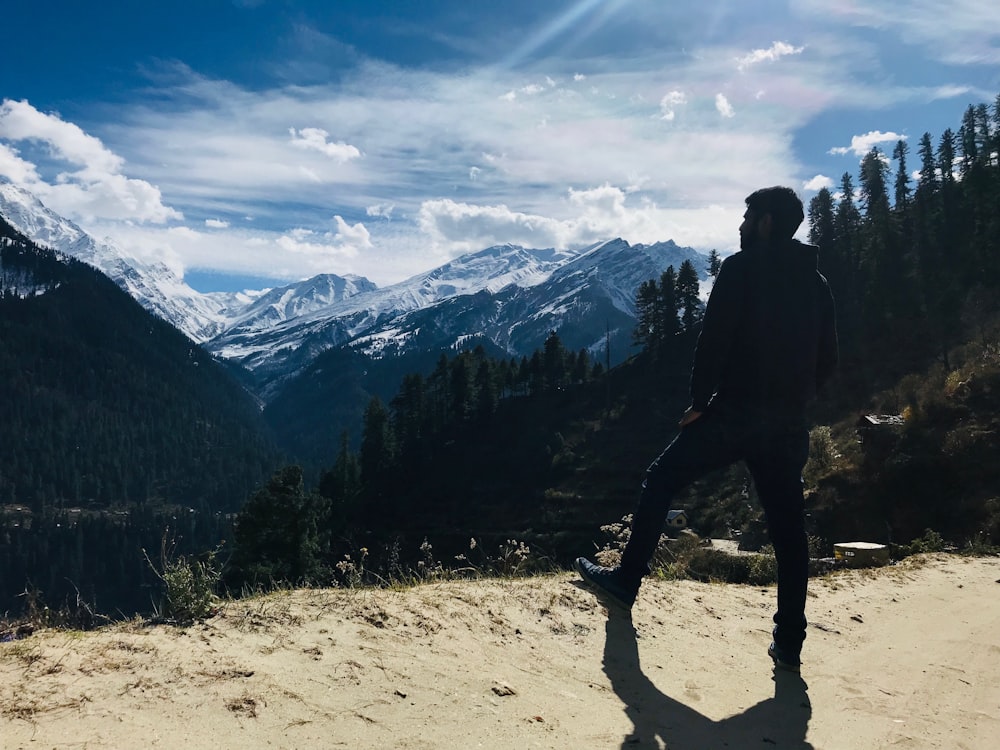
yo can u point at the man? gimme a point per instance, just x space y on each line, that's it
767 344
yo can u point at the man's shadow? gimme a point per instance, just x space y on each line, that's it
660 720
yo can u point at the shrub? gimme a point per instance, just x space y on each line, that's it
189 585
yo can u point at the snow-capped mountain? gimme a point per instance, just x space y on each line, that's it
272 344
583 299
509 295
155 286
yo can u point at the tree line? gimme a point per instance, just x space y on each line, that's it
914 262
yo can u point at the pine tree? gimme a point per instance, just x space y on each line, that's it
377 447
277 534
902 184
877 258
688 289
714 263
667 313
646 298
342 483
554 363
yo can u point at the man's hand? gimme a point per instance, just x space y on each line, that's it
689 416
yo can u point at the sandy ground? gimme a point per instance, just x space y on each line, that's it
901 657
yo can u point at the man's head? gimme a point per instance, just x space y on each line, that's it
773 213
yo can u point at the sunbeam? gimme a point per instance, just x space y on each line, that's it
575 16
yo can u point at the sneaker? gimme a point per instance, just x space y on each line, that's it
607 583
783 659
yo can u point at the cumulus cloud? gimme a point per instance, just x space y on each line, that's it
216 224
723 106
465 226
355 235
88 184
817 183
16 169
19 121
669 104
315 139
862 144
606 199
590 215
324 250
772 53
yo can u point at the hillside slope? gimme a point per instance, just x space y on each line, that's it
110 404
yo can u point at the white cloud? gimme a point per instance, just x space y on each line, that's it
817 183
185 232
355 235
591 215
96 189
216 224
723 106
381 210
16 169
19 121
579 77
862 144
772 53
464 226
670 102
315 139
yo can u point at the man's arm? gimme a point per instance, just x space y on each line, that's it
722 315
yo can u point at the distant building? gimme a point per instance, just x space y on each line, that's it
878 435
677 520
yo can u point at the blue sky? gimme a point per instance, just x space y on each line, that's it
278 139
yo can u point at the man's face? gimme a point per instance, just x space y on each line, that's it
748 229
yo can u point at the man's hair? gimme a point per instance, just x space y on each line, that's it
784 206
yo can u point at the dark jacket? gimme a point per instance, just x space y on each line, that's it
769 339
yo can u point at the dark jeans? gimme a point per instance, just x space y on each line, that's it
775 453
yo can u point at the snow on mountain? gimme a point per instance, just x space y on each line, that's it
620 267
296 300
271 342
586 299
155 286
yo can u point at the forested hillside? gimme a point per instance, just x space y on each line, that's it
114 414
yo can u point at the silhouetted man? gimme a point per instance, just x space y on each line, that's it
768 342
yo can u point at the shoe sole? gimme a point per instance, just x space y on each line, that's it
602 593
781 664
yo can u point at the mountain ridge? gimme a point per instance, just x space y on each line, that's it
512 295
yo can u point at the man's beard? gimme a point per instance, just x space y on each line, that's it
748 238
